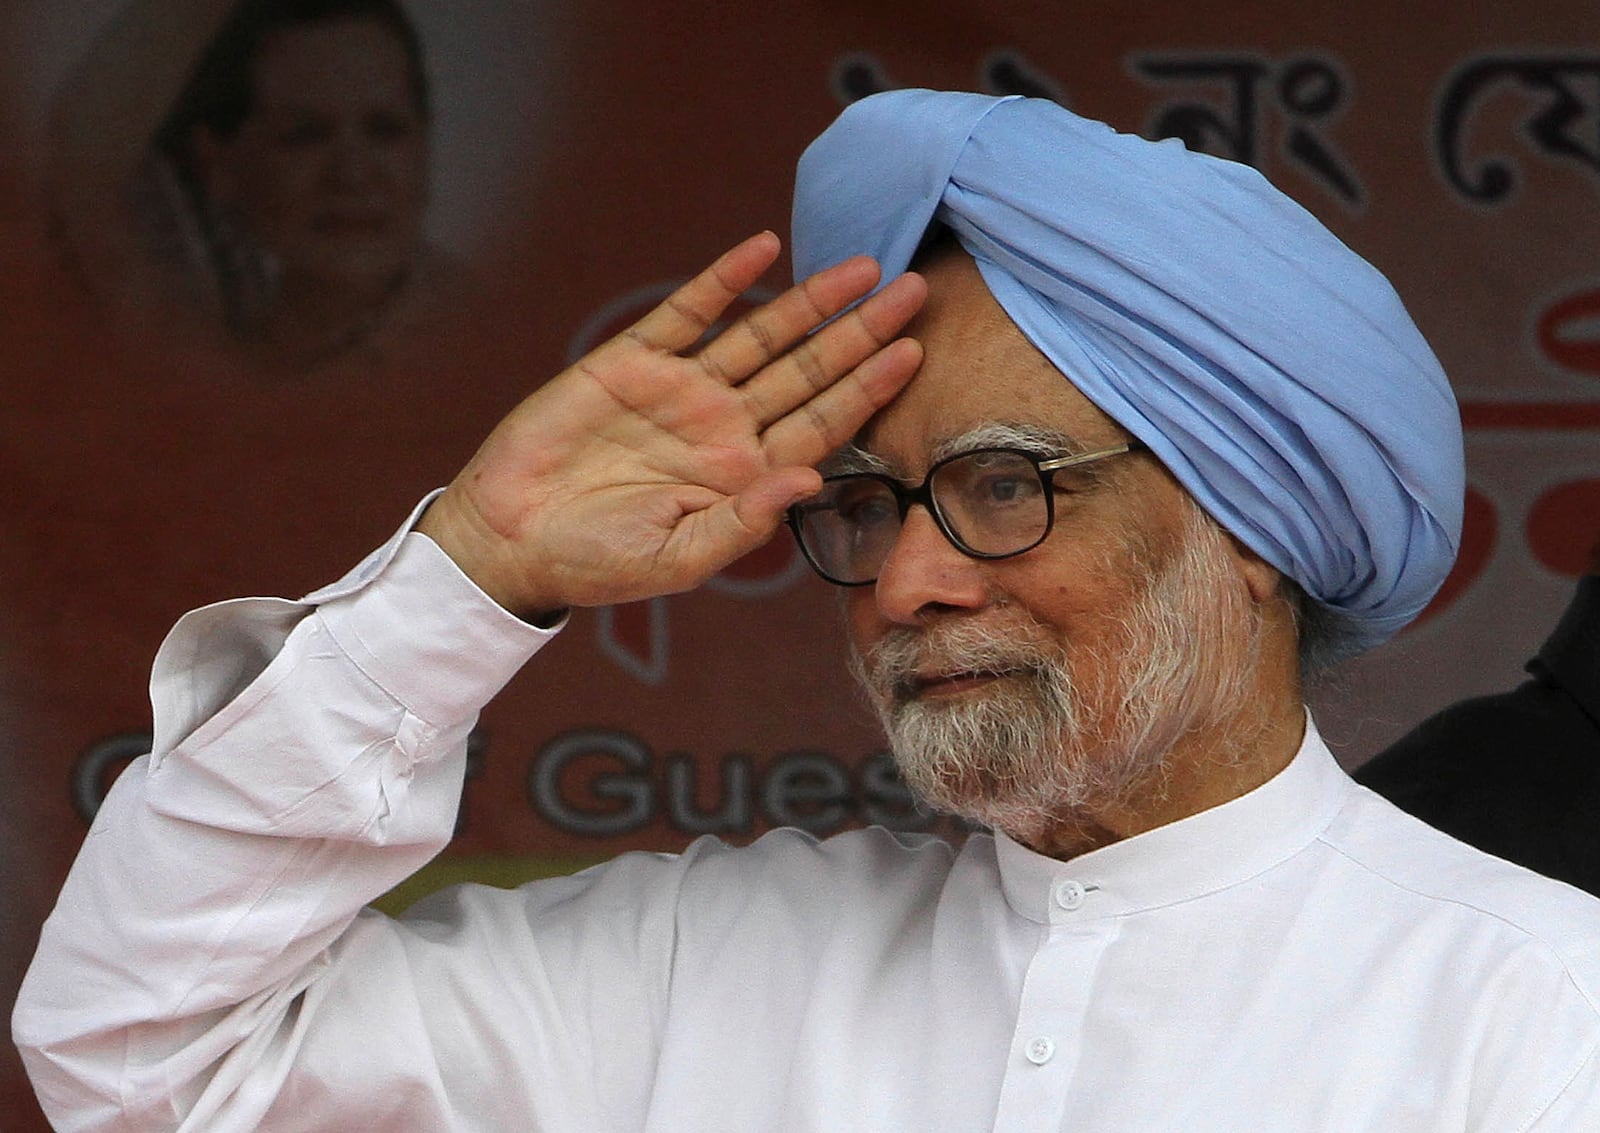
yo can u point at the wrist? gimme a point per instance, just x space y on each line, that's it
486 561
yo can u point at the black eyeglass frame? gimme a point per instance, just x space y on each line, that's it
922 493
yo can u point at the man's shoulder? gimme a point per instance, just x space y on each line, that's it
1437 877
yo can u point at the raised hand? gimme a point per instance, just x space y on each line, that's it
650 464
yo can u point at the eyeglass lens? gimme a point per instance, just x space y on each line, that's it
989 502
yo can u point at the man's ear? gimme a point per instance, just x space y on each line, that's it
1260 577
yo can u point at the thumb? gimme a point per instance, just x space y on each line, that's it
762 504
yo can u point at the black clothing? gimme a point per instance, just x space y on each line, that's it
1518 773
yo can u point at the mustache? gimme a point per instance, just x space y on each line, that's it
897 666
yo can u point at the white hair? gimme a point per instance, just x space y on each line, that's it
1066 731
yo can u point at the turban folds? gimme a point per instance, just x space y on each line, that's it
1272 370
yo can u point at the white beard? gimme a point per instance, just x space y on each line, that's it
1040 746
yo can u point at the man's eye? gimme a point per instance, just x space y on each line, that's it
866 506
1004 489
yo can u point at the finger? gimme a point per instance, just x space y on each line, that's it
822 424
834 351
679 321
764 334
739 524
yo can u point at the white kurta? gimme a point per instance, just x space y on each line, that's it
1302 958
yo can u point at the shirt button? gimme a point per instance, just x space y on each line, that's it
1040 1050
1069 895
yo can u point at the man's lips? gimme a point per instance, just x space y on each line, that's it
947 683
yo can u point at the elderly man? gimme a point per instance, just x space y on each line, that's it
1161 424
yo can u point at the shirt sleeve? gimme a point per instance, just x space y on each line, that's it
308 756
1578 1104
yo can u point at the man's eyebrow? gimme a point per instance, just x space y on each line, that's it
851 460
1040 439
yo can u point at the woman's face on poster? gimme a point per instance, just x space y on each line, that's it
329 171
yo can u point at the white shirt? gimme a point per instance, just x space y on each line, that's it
1302 958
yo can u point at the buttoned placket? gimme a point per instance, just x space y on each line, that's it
1056 992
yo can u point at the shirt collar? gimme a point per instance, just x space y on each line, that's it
1201 854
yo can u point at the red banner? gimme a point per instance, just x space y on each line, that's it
161 451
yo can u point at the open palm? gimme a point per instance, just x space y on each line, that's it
656 460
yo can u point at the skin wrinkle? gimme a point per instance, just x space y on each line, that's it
1097 600
1044 747
1038 439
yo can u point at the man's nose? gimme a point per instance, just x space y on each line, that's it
352 162
925 571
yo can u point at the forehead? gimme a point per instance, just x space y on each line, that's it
978 369
346 59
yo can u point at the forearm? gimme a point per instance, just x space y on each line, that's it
191 933
218 872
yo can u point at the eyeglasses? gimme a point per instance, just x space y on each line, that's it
991 503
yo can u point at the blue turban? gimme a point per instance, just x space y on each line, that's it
1272 370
